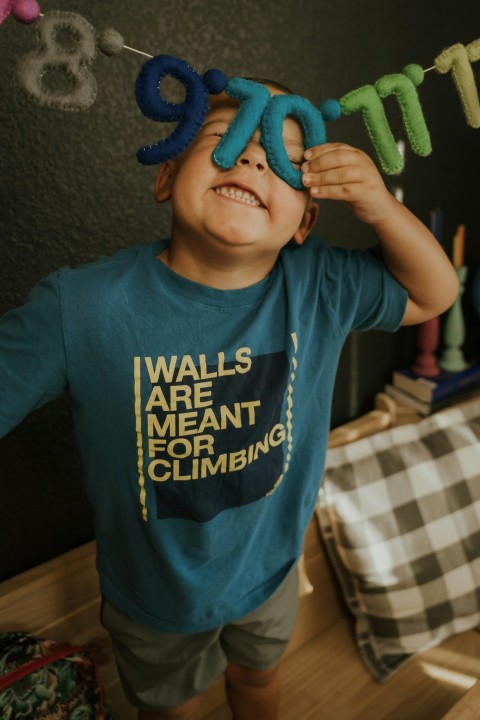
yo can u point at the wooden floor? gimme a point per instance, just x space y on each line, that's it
311 685
316 687
325 680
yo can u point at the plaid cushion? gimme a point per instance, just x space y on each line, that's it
399 513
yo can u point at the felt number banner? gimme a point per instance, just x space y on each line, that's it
257 108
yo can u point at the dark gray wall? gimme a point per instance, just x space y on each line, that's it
71 188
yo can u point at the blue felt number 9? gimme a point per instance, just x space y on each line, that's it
189 114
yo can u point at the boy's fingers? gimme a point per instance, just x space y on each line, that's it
328 158
335 192
318 150
324 147
345 175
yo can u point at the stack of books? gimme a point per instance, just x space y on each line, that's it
427 395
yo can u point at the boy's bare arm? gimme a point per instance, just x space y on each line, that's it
335 171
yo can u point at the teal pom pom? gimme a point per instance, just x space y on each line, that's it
330 109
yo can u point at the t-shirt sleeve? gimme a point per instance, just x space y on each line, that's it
33 367
362 292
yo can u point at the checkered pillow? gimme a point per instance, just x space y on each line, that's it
399 513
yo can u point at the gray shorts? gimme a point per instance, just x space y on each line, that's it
160 671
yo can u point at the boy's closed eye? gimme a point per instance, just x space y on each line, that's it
294 153
215 127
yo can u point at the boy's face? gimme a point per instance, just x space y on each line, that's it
242 211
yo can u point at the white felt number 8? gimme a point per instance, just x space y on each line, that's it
71 60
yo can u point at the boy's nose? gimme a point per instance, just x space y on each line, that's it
254 156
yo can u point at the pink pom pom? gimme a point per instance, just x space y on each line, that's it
26 11
5 9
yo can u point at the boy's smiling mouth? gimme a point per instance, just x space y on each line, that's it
239 194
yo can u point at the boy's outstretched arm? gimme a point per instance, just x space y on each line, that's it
335 171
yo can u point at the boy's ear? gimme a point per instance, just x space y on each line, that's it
162 190
308 221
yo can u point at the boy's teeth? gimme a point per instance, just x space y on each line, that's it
238 194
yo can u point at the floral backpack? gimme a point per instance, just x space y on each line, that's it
48 680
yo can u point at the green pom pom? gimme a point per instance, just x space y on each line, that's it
415 73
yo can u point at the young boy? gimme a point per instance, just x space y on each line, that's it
202 370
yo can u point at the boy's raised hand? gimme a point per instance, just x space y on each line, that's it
335 171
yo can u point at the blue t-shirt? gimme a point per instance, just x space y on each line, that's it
202 415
